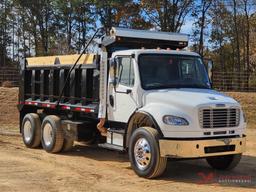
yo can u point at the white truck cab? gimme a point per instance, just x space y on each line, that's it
174 88
165 98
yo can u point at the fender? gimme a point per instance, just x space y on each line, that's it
159 110
152 115
138 119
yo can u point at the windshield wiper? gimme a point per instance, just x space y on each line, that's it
199 86
177 86
159 86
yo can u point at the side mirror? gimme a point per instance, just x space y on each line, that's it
209 69
112 71
208 66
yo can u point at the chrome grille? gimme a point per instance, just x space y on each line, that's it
219 117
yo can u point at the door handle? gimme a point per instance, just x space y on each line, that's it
127 91
111 100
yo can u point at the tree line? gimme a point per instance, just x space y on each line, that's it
224 30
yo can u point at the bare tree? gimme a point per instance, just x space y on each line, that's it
206 4
247 42
247 22
167 15
236 36
220 25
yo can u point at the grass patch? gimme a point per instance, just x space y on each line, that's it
248 102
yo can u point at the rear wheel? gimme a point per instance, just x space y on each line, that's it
31 130
144 153
225 162
52 134
67 144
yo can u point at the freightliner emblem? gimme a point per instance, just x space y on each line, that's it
212 98
227 141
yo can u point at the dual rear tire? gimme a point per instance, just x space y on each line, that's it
50 133
31 130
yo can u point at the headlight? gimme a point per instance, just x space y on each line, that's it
173 120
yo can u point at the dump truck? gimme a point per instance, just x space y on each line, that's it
140 93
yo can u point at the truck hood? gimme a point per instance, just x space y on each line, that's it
186 97
186 103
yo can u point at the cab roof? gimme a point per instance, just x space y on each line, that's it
155 51
124 39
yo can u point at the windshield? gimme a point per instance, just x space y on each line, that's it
172 71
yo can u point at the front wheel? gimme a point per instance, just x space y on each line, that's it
225 162
144 153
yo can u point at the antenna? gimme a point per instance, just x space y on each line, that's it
73 67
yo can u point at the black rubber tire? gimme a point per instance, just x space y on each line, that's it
68 144
226 162
57 134
35 121
157 164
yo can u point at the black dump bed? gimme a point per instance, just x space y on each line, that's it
43 79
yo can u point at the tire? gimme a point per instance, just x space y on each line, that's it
52 134
152 165
226 162
31 130
67 144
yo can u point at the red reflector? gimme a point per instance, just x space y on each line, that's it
48 105
64 107
30 103
88 110
78 109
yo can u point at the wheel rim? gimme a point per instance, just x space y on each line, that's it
48 134
142 153
28 131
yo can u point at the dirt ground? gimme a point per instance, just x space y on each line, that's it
88 168
8 110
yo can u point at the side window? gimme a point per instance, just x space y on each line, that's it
126 71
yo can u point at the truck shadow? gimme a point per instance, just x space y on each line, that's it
97 153
198 172
188 171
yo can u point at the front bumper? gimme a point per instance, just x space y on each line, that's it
201 148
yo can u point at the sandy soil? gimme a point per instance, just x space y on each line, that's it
92 169
88 168
8 110
248 102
